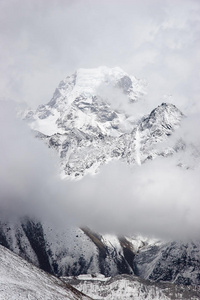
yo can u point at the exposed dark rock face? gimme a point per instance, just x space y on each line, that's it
35 235
123 261
125 83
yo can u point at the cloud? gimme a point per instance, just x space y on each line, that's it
157 198
29 173
42 43
119 101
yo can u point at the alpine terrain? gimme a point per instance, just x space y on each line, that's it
88 130
90 122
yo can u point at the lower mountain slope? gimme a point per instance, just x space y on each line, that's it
131 287
21 280
70 251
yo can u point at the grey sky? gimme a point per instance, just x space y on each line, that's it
43 41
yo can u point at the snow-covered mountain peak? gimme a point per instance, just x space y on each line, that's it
84 124
82 101
166 115
86 82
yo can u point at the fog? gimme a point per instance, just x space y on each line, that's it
29 173
157 198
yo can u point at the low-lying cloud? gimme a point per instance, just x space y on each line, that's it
157 198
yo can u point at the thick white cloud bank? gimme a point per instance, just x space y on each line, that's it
29 173
157 198
42 42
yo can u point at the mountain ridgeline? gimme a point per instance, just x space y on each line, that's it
90 121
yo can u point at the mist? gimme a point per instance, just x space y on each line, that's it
156 40
29 173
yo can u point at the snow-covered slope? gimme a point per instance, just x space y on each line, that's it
81 102
73 251
130 287
21 280
69 251
88 123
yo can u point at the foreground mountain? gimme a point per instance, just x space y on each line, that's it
73 251
21 280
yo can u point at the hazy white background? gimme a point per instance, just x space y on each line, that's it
44 41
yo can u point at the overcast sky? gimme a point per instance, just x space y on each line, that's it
44 41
